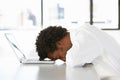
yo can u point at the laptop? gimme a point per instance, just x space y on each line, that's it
20 54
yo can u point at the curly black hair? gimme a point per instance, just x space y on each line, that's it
47 38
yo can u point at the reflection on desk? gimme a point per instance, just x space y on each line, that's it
81 73
11 70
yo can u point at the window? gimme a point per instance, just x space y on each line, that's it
105 14
65 12
36 13
20 14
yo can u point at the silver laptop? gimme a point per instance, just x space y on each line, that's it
20 54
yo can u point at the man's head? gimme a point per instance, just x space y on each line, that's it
53 42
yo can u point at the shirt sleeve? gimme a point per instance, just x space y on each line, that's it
86 48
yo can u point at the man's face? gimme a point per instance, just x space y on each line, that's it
63 46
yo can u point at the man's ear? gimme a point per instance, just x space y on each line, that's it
59 44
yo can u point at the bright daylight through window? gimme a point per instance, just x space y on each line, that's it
41 13
20 14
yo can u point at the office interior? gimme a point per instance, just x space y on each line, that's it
25 18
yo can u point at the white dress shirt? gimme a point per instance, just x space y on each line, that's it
92 45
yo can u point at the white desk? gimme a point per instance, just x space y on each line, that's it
11 69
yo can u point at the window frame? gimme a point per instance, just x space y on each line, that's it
91 16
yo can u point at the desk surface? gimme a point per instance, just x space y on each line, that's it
11 69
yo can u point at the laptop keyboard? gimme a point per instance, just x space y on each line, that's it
35 60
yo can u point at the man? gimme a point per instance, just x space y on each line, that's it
53 42
78 46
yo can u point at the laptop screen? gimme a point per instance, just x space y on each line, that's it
14 45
